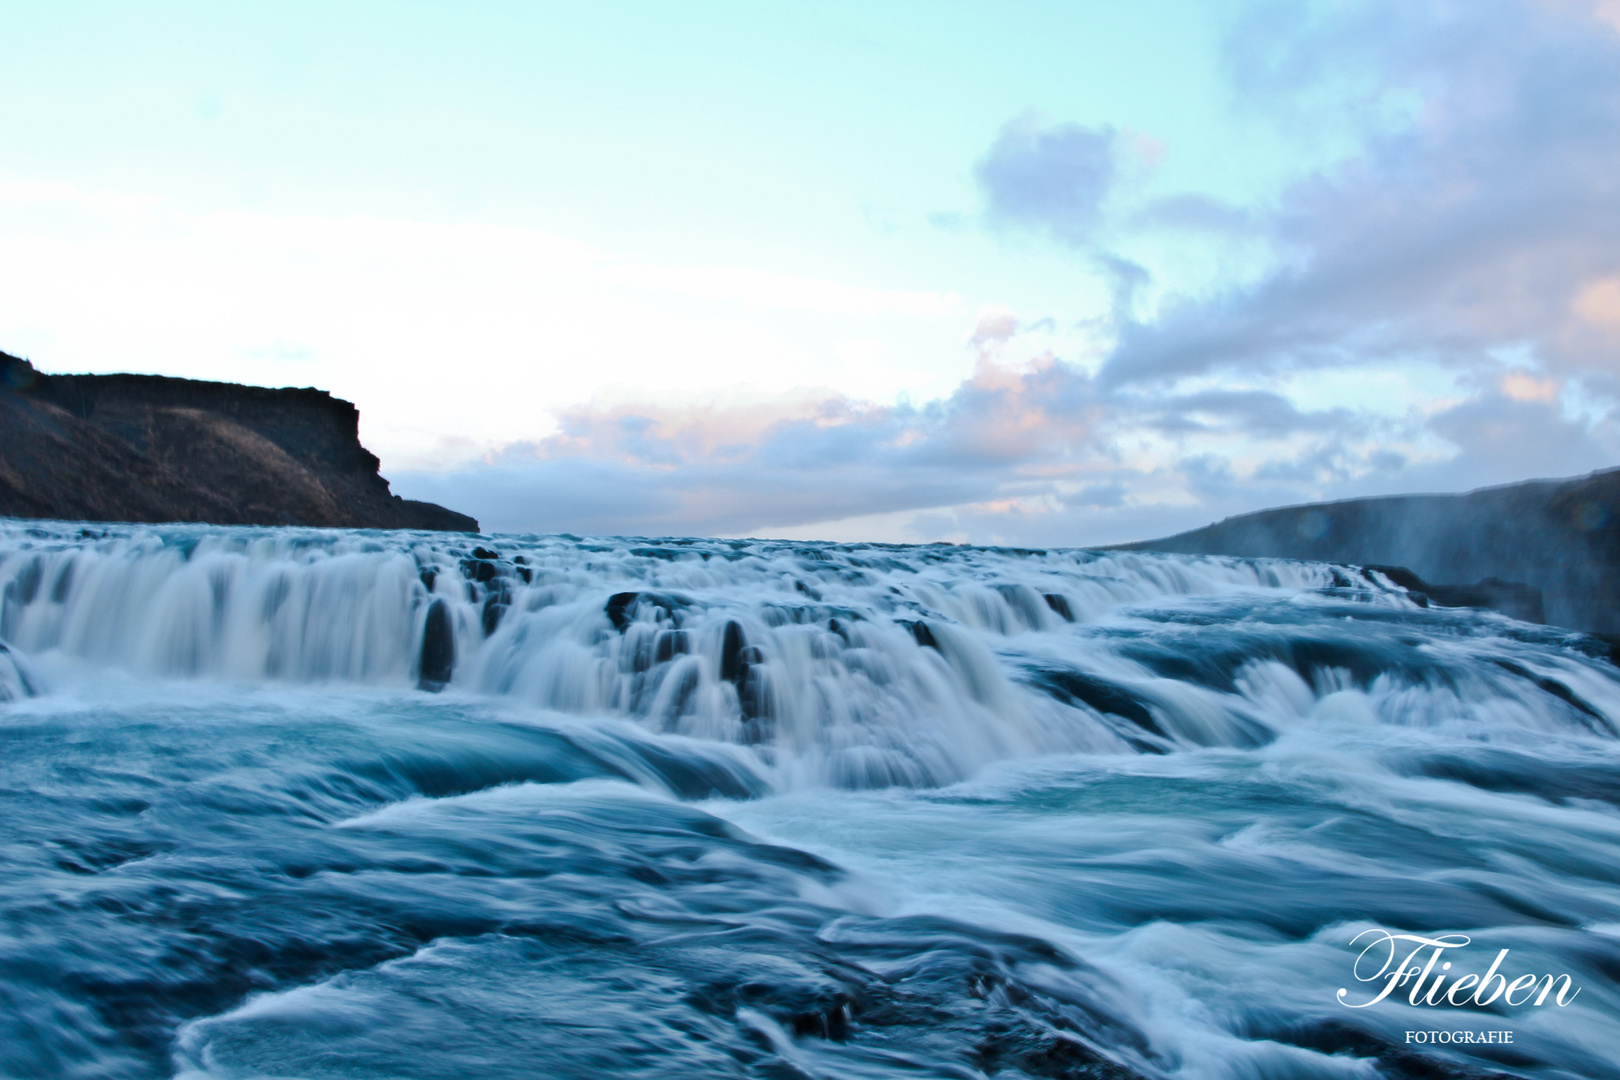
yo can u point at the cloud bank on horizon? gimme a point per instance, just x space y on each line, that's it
1478 243
1428 300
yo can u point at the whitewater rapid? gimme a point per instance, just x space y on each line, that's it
293 802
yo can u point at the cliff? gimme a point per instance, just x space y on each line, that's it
149 448
1560 537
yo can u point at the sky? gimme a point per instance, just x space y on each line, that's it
1014 273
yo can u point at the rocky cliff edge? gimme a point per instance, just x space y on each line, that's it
1545 549
155 449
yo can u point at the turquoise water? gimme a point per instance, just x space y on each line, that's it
923 812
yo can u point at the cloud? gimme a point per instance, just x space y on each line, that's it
1054 178
1499 434
1020 450
1436 310
1436 307
1253 412
1489 217
434 328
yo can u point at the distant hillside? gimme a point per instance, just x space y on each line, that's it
1559 536
148 448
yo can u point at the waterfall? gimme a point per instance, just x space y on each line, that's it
322 803
857 665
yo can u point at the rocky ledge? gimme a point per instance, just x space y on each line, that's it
150 448
1543 550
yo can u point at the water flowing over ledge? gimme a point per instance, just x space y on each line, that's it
326 803
856 665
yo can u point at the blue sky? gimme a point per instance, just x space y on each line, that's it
1024 273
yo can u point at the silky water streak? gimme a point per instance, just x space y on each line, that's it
290 802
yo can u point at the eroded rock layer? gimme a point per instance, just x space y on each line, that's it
150 448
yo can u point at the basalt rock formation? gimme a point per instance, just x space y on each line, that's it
1543 550
156 449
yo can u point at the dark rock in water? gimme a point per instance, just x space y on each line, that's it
618 607
807 590
1071 686
25 586
741 665
925 637
835 627
428 576
438 661
670 644
478 570
1397 575
681 699
485 553
495 605
1512 598
732 665
621 607
63 584
753 694
150 448
1509 597
1555 543
640 647
1060 605
1561 692
525 573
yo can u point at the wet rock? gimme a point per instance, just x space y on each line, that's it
732 665
680 701
640 648
485 553
621 607
1560 691
1072 686
149 448
670 644
63 585
753 696
923 635
438 659
1551 543
479 570
495 605
25 586
618 609
1059 604
1511 598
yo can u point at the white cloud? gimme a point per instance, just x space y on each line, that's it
1437 310
456 339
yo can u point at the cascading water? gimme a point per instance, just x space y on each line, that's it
287 802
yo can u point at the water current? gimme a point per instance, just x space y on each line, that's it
316 803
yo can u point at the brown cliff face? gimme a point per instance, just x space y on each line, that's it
149 448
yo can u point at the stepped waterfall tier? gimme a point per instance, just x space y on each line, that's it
285 802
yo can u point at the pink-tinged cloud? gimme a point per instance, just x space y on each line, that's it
1479 240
